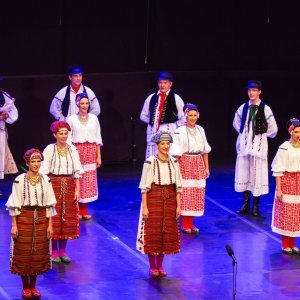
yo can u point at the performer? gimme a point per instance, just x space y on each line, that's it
8 114
64 168
31 206
162 111
191 149
254 122
286 208
160 186
86 136
63 105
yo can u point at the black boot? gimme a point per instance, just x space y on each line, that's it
255 211
245 209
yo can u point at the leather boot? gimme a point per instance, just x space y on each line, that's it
255 211
245 209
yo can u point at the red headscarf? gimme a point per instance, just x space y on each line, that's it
33 154
57 125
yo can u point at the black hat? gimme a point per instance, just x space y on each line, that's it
165 76
254 84
76 69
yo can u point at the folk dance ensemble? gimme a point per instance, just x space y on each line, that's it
63 166
86 136
31 206
9 115
191 149
162 111
255 123
286 207
160 186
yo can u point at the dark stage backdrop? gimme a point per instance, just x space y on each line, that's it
213 48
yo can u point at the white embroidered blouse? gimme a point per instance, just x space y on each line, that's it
161 173
61 165
89 132
25 194
287 159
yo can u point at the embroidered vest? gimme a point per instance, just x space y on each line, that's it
66 102
2 99
260 122
169 112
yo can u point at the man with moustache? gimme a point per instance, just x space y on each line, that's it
162 111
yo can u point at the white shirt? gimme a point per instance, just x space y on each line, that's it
55 164
89 132
287 159
185 142
25 194
9 108
55 108
150 174
257 146
145 114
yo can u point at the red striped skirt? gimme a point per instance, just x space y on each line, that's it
88 181
65 223
161 234
286 213
192 198
30 254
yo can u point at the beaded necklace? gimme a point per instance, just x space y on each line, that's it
83 119
34 180
26 186
61 151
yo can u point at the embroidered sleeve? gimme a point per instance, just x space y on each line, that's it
237 119
95 105
279 163
145 115
146 177
55 107
272 126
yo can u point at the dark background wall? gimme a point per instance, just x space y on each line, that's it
213 48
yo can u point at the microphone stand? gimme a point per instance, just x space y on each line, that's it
234 276
133 140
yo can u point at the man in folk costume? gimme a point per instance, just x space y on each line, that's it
8 114
255 122
64 105
162 111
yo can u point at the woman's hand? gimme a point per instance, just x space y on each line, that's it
76 195
207 172
279 195
145 213
14 231
98 162
3 117
50 231
177 212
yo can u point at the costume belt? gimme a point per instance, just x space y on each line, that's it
192 153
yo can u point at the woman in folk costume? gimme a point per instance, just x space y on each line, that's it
160 186
31 206
8 115
286 208
191 149
86 136
63 166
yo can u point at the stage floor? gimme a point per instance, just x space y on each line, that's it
106 265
